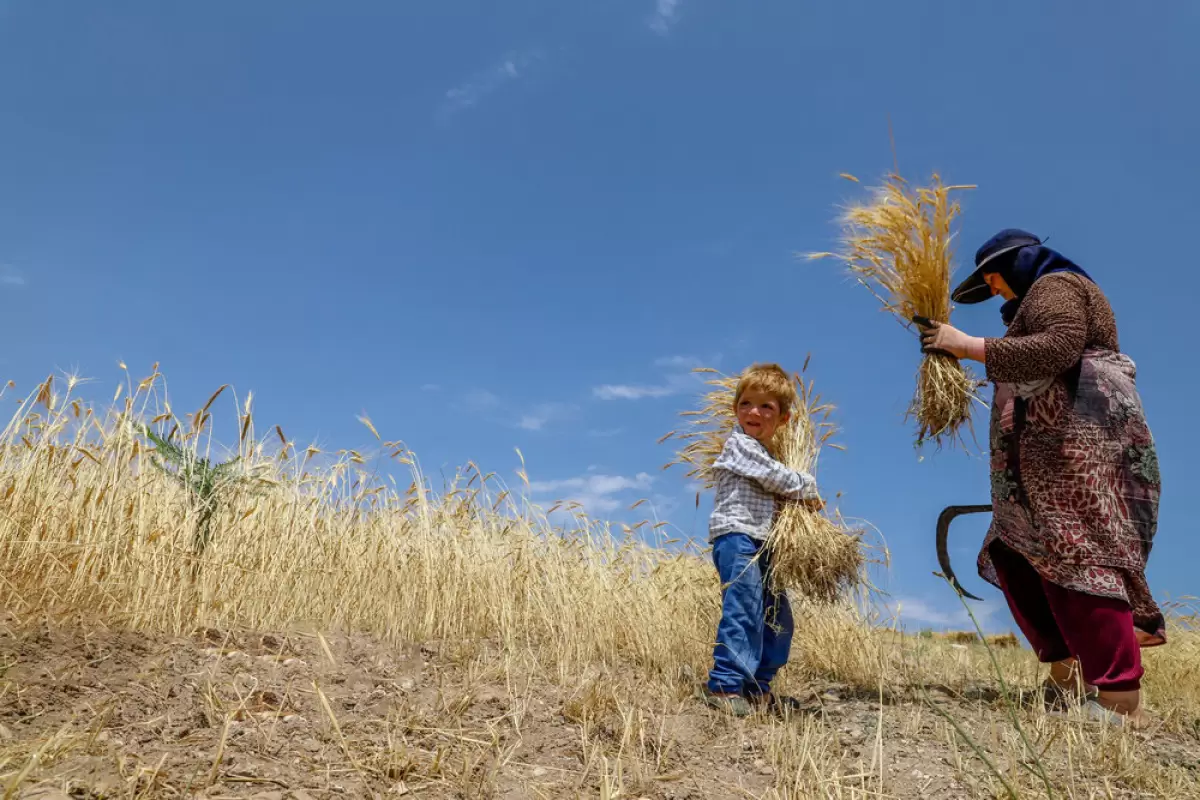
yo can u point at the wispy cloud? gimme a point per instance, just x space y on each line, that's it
624 391
666 14
677 380
597 493
512 67
678 362
542 415
431 387
11 276
481 400
916 611
605 433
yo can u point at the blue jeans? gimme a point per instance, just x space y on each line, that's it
754 636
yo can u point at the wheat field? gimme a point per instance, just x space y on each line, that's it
99 526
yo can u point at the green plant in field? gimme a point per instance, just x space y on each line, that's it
208 485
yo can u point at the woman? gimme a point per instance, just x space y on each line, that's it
1075 480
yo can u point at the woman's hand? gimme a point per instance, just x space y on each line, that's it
948 339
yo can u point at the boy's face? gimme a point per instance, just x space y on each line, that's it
759 415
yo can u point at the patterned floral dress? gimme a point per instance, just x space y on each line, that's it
1075 480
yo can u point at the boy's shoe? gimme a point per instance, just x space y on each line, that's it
733 704
779 705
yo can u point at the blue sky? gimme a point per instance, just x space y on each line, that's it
518 224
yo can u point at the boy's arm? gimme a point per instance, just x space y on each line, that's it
742 458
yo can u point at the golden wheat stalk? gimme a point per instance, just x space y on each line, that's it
811 553
899 246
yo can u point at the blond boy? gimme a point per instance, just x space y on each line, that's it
754 636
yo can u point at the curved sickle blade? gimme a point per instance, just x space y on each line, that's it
947 516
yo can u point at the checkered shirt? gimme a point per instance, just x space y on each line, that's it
749 484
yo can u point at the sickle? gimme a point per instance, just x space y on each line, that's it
943 554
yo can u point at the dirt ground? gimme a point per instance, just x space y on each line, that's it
89 712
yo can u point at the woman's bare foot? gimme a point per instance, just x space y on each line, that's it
1120 702
1127 706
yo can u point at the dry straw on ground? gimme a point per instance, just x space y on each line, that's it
898 245
810 552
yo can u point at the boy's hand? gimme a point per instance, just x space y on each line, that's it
815 504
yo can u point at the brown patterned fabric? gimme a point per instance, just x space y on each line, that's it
1075 480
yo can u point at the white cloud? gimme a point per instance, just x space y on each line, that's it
481 400
664 506
597 493
596 484
627 392
543 414
10 276
916 611
679 379
666 14
678 362
512 67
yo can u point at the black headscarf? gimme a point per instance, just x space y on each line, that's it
1024 268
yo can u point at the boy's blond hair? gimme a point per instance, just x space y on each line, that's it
772 380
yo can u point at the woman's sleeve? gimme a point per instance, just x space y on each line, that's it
1056 311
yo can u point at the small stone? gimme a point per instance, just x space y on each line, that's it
747 745
540 772
408 684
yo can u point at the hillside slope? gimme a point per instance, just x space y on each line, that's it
92 712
